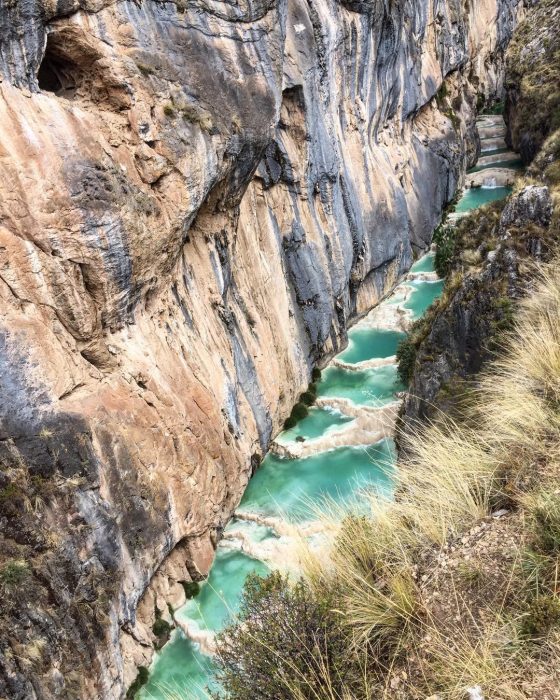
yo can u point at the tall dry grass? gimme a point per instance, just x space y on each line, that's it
454 475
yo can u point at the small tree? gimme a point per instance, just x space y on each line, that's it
406 357
444 238
286 643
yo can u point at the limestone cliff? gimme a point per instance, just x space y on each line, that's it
196 198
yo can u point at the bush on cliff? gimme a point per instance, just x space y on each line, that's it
289 423
444 238
308 398
286 644
299 411
13 573
406 357
140 680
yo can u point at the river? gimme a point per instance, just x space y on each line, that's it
342 446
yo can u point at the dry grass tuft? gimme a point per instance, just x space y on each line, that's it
505 452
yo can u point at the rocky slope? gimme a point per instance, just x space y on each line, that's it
490 253
464 328
532 106
196 198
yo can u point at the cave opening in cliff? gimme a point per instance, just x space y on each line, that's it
57 73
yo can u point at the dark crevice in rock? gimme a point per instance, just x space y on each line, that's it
56 72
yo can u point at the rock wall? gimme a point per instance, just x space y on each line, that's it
489 274
532 105
196 198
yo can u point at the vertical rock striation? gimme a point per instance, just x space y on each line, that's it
196 198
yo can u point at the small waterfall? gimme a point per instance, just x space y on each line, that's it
489 183
204 638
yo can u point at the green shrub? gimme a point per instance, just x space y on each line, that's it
308 398
9 492
444 238
169 110
315 374
406 357
290 422
140 680
453 118
191 588
14 572
286 644
312 388
441 95
299 411
542 615
161 627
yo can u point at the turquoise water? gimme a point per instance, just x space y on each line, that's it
289 487
368 387
423 295
510 164
478 196
183 669
317 423
220 594
180 672
369 343
424 264
286 488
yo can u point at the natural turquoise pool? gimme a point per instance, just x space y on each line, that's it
368 387
424 264
183 668
478 196
181 671
423 295
319 422
286 488
366 344
219 598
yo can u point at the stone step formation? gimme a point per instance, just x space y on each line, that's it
497 166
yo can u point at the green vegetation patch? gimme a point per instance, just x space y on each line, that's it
288 643
191 588
140 680
13 573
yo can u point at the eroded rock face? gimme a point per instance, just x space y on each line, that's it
532 77
196 198
467 330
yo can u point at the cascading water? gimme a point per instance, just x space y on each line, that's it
342 446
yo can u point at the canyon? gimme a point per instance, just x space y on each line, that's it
196 201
